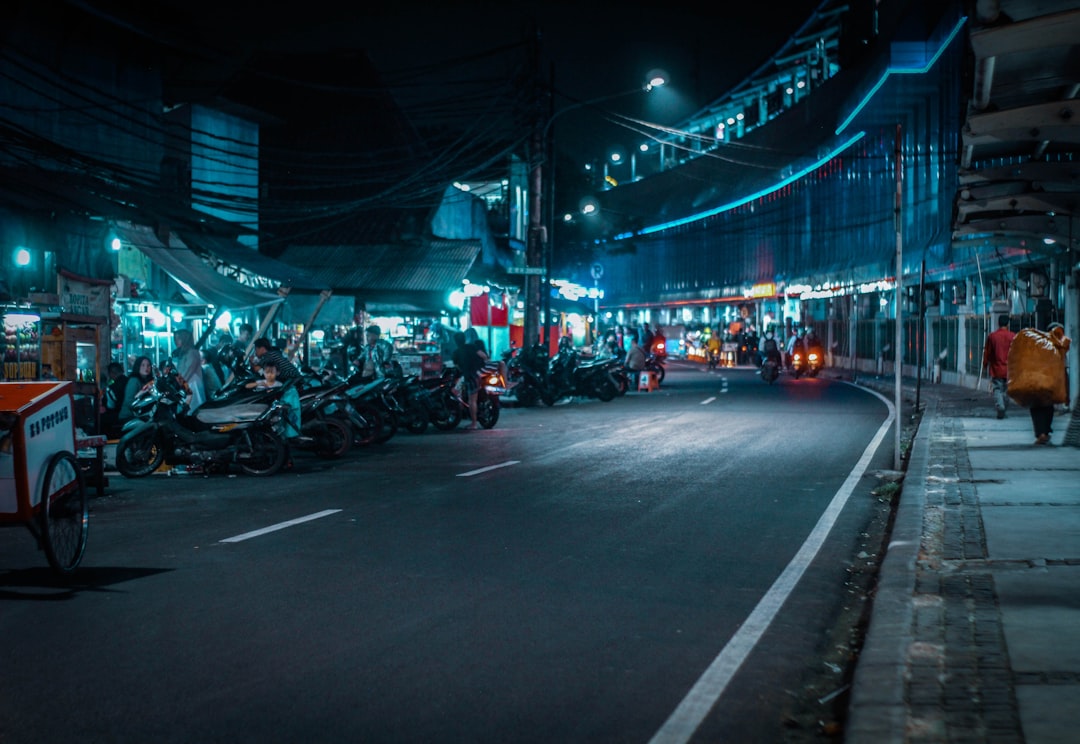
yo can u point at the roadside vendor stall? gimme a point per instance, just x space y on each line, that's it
41 481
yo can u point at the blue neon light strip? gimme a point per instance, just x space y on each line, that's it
746 199
903 71
862 104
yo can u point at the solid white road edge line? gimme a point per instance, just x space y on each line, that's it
506 464
708 400
684 721
280 526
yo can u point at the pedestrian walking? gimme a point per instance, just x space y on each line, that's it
1037 376
996 363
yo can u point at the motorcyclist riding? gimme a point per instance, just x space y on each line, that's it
770 350
811 342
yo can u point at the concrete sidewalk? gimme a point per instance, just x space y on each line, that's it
975 627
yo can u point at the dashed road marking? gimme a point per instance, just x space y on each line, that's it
508 463
708 400
280 526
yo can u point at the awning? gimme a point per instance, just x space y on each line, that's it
189 270
236 254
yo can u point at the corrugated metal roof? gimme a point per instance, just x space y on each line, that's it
416 266
236 254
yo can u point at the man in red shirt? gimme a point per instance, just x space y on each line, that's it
995 361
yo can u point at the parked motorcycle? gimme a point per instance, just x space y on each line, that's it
344 401
490 387
568 376
527 372
242 428
451 408
426 401
655 363
323 428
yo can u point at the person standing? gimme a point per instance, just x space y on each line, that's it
470 358
996 363
1037 375
189 363
266 354
635 358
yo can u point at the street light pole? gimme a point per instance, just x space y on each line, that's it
534 248
543 235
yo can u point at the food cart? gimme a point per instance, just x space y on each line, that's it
41 482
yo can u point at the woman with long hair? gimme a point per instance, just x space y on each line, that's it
142 374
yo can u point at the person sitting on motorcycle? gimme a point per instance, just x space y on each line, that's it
374 359
269 380
794 344
811 343
658 347
635 357
770 350
712 347
265 354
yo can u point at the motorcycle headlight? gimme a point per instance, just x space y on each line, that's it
813 357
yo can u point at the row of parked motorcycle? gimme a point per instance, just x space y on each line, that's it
536 378
328 414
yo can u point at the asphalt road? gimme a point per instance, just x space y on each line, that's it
663 567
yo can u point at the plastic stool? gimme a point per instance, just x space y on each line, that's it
647 382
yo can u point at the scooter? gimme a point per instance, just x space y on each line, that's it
807 363
243 428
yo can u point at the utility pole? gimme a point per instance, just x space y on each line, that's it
549 247
898 341
534 249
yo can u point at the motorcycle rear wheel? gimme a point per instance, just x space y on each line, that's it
267 454
415 418
605 390
389 427
334 437
139 455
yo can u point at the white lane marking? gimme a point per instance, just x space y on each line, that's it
506 464
708 400
684 721
280 526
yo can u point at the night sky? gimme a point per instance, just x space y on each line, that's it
595 48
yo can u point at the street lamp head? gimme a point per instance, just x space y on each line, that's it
655 79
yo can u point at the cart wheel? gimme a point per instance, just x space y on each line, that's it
65 513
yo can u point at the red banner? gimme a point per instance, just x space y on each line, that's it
478 311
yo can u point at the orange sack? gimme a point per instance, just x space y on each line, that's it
1037 368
